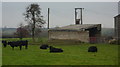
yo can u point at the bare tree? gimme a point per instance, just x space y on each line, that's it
21 32
34 18
37 30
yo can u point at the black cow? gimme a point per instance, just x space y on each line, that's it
55 50
24 43
4 42
44 46
14 44
92 49
18 43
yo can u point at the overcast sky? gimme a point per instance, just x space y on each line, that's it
0 14
59 0
62 13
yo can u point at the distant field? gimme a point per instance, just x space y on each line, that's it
74 54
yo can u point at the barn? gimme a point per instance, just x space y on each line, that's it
117 28
89 33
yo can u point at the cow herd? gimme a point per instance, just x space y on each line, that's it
44 46
16 44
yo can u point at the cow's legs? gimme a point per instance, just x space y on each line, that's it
26 46
13 48
20 47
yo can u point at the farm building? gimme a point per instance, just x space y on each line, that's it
117 28
89 33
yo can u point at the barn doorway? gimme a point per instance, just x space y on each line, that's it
92 35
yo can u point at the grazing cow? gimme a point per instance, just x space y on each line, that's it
44 46
18 43
4 42
55 50
14 44
24 43
92 49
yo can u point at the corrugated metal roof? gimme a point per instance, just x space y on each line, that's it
118 15
78 27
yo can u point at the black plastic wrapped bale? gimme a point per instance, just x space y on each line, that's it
92 49
44 46
55 50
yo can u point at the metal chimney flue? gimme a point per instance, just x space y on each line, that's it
78 20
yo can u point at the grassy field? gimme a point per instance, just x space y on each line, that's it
74 53
0 54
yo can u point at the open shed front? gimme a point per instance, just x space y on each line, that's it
94 35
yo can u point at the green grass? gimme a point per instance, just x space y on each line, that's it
0 54
74 54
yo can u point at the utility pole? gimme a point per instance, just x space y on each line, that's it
80 19
48 21
48 16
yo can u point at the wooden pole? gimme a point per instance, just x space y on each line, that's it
48 17
48 21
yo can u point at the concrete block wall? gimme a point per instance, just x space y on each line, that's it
117 28
72 35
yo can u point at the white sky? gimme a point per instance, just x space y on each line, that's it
61 13
59 0
0 14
